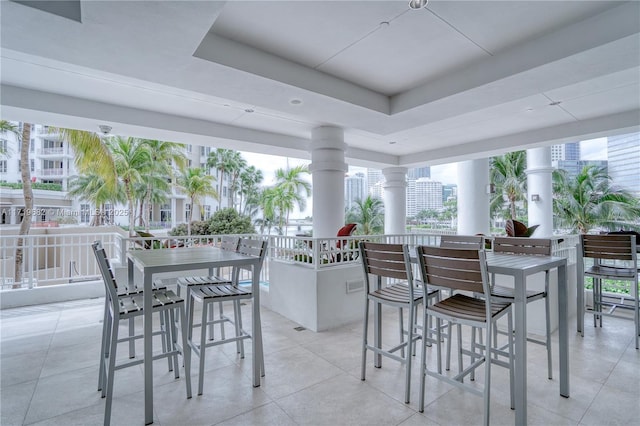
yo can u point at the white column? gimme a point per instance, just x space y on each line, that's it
327 174
539 171
473 200
174 212
395 200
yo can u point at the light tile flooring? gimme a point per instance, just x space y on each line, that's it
49 361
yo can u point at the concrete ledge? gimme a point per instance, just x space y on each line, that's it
51 294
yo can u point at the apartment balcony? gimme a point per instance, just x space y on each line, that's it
53 153
51 172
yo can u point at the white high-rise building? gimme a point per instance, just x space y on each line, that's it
566 152
375 179
623 152
52 162
355 188
428 195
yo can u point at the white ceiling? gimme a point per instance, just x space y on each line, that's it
458 80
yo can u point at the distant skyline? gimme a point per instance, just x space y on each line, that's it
593 149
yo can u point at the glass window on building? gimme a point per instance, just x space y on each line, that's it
85 213
187 212
32 165
224 191
207 212
3 166
165 213
3 146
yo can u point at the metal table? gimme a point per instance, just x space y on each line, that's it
151 262
520 267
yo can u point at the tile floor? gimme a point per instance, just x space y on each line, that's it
49 363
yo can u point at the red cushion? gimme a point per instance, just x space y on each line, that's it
347 230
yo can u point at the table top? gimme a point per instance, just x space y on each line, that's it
502 263
191 258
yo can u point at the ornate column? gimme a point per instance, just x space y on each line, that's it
395 200
327 175
473 197
539 192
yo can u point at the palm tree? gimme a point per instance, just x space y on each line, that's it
91 188
27 192
508 175
91 154
196 184
250 180
237 166
224 161
590 200
369 215
9 127
132 160
162 154
292 189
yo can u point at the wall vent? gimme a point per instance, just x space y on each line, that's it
355 285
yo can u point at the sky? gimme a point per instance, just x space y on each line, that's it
594 149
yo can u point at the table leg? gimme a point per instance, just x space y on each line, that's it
256 341
520 374
563 327
148 349
580 290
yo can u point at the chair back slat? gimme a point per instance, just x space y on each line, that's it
386 261
521 245
230 243
473 242
617 247
108 278
456 269
251 247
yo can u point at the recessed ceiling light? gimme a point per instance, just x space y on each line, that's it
392 142
295 101
554 103
249 110
529 109
384 24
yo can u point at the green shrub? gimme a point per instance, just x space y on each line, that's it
229 221
35 185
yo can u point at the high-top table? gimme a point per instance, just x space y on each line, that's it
520 267
151 262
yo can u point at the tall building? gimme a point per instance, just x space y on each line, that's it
568 151
573 167
428 194
375 178
355 188
419 172
623 152
449 191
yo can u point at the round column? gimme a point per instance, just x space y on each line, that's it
473 197
394 197
327 176
539 191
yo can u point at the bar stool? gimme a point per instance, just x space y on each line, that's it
165 302
209 294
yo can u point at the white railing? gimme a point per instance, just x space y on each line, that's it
51 259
